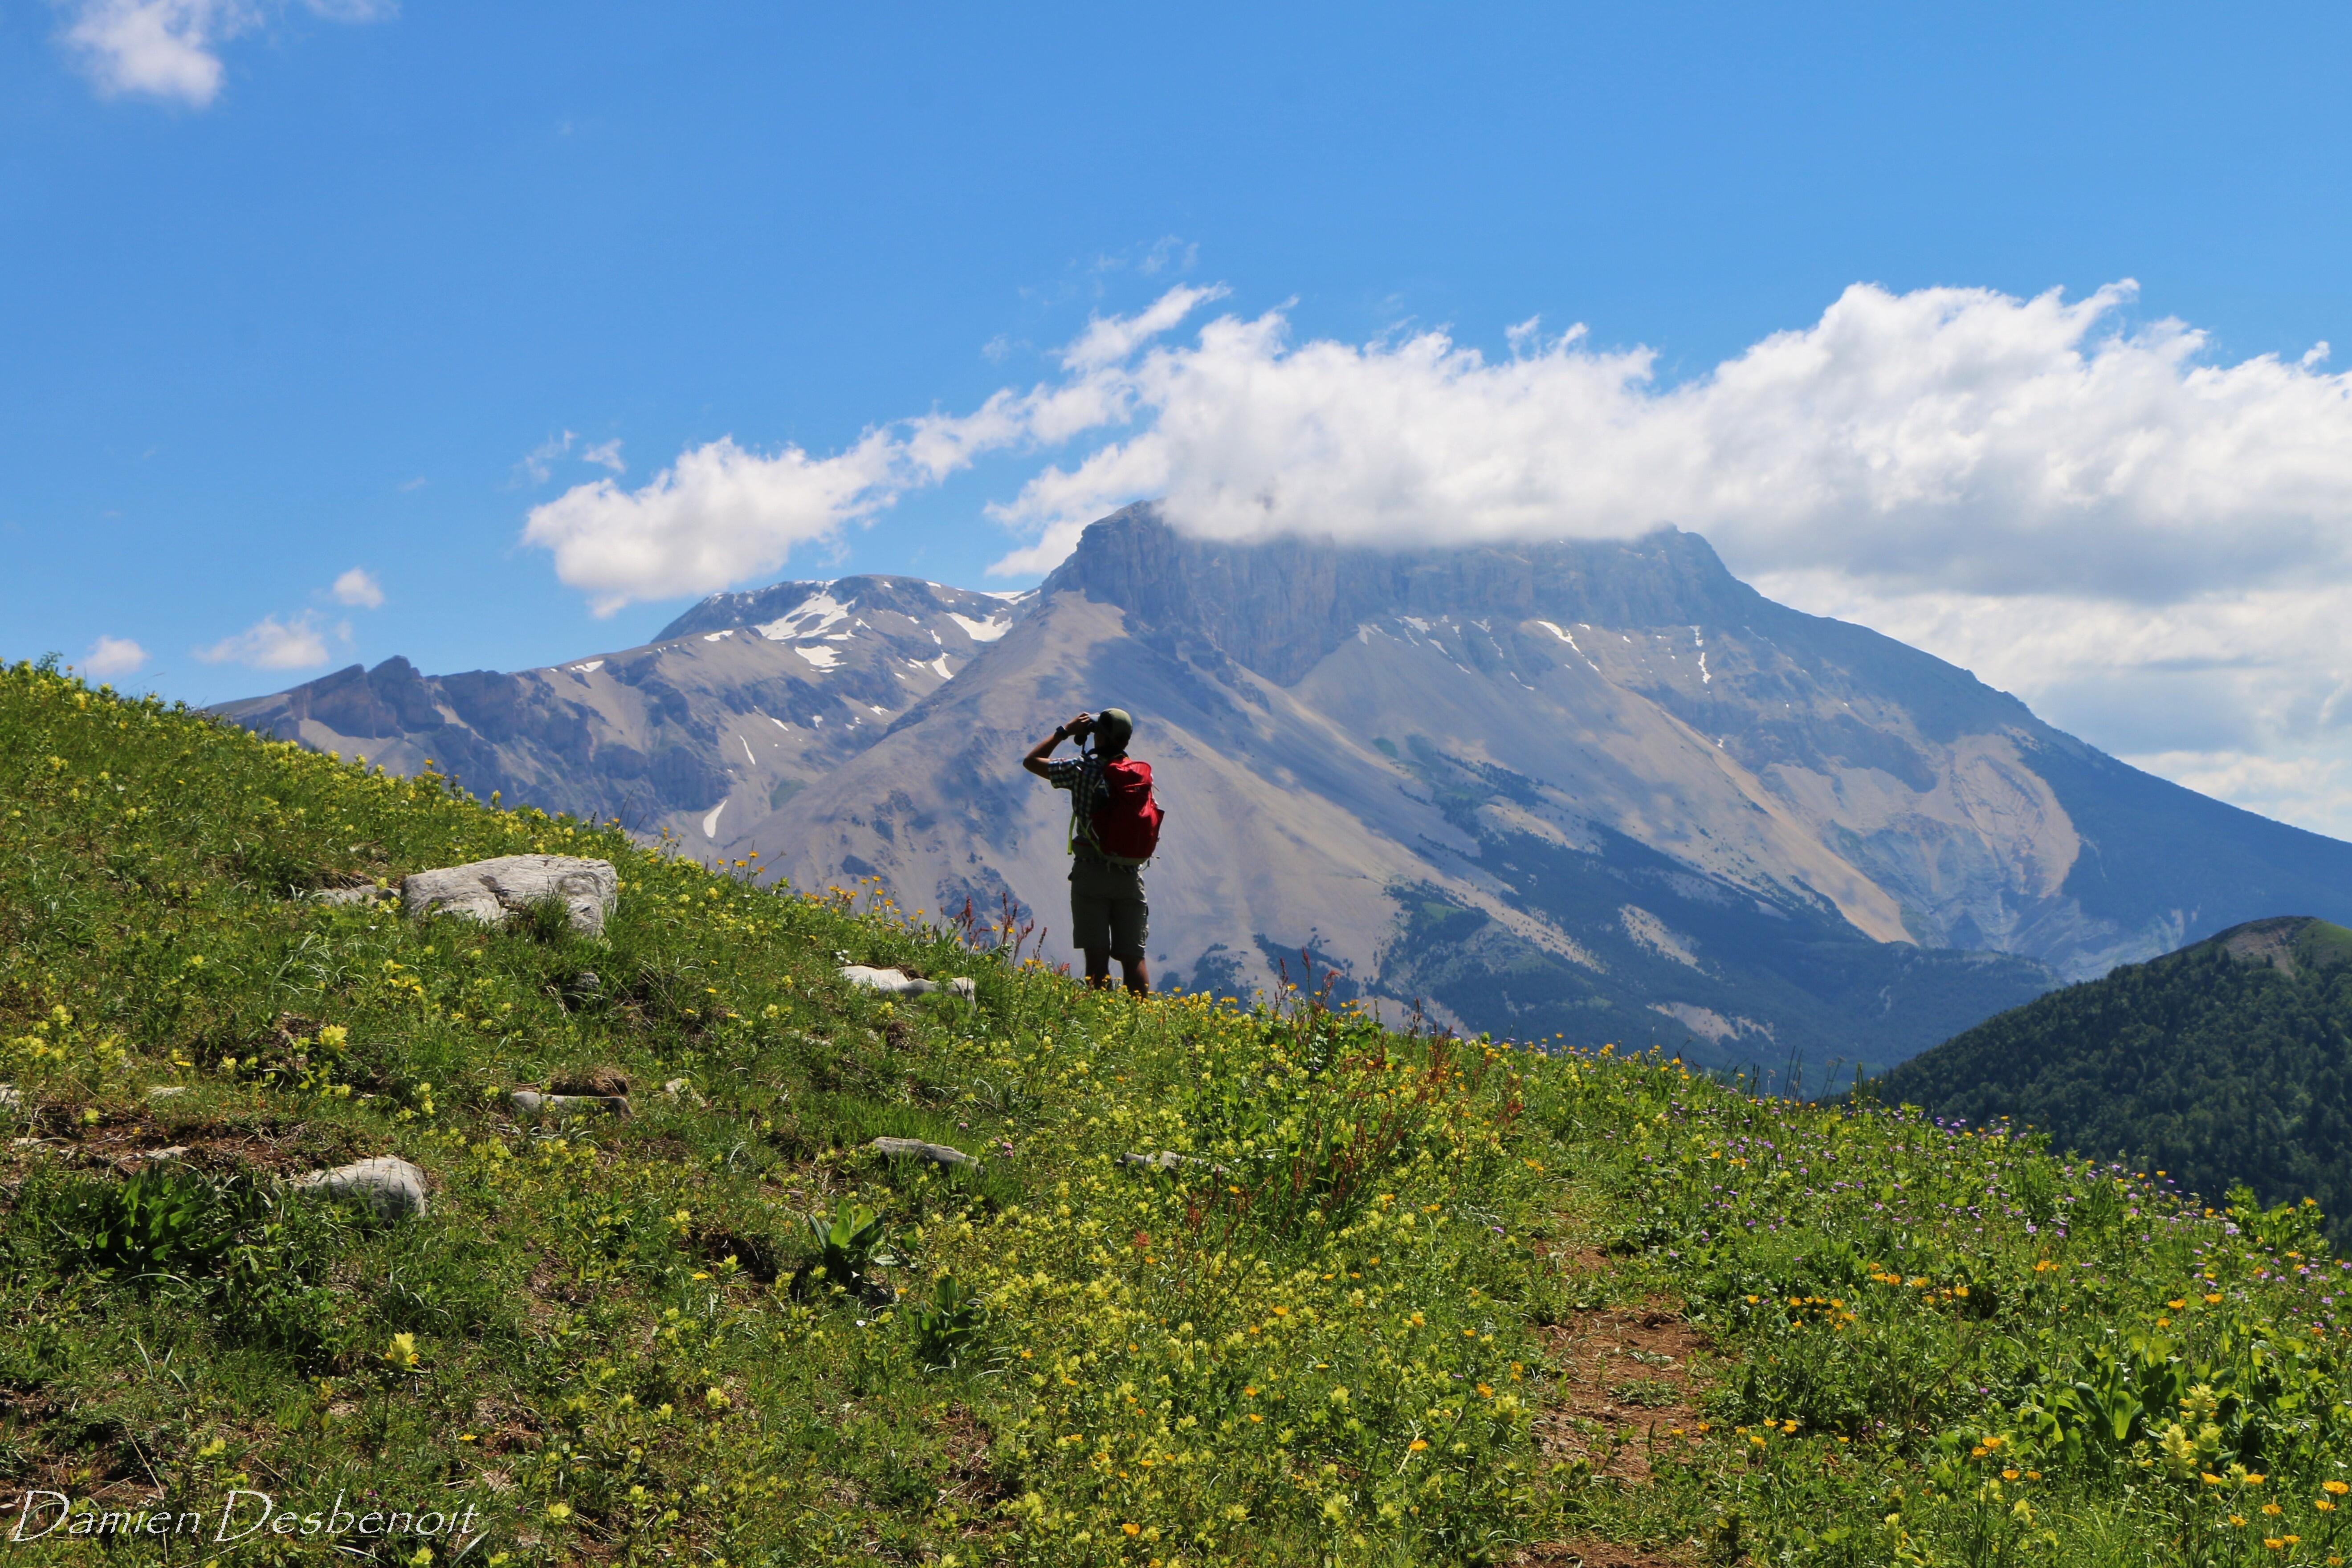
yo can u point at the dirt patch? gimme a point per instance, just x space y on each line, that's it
1589 1554
604 1081
968 1483
758 1258
1626 1389
1571 1256
125 1144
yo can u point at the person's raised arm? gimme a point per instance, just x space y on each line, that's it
1035 761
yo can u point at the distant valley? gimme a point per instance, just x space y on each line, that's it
1601 791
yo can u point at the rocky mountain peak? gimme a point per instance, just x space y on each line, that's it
1280 606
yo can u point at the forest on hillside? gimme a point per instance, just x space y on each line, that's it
2211 1068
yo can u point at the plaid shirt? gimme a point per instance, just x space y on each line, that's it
1083 777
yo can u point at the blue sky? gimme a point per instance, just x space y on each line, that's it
318 313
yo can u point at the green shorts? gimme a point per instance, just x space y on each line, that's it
1108 908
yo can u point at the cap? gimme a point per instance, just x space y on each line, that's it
1113 727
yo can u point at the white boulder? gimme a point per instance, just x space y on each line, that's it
389 1184
492 892
898 983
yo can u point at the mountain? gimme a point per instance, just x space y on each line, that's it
2229 1060
1597 790
736 706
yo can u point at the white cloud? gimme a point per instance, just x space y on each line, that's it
110 656
718 514
538 465
270 643
1950 436
1108 339
605 455
721 513
171 49
358 587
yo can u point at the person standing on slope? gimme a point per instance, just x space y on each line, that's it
1114 830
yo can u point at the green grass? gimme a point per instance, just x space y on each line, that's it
1330 1335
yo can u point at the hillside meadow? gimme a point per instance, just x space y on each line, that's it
1382 1297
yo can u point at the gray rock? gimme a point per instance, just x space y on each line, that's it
938 1153
167 1091
493 891
389 1184
350 895
173 1152
531 1102
10 1098
966 988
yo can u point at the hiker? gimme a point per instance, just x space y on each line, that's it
1114 830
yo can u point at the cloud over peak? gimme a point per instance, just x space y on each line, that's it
1959 437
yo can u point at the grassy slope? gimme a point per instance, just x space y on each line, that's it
2211 1068
1342 1340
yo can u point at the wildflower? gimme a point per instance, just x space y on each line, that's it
2335 1489
1416 1445
1132 1529
402 1352
559 1511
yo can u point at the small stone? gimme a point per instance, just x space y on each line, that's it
350 895
938 1153
167 1091
389 1184
10 1099
493 891
173 1152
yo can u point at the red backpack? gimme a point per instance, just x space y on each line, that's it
1127 813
